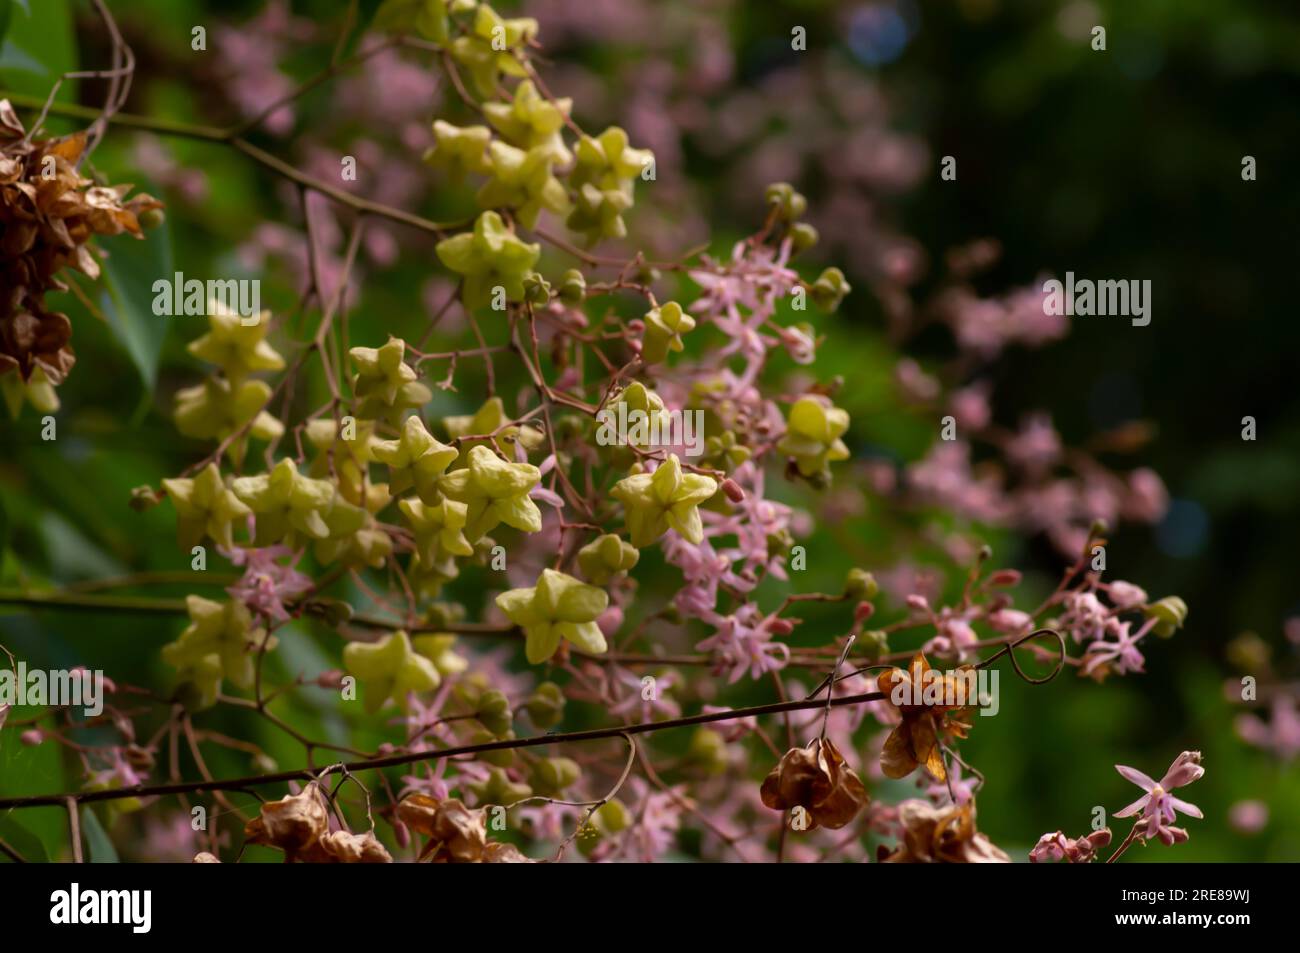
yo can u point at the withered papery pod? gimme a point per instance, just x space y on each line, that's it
298 824
819 780
457 834
934 835
49 212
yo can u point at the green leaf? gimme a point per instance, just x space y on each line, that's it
97 843
27 844
38 47
131 267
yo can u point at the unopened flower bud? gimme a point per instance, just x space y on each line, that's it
545 706
790 205
493 712
733 490
778 626
860 584
1170 613
1005 577
573 287
875 643
802 237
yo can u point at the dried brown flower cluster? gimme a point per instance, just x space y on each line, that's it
817 779
457 834
298 824
939 835
928 714
49 212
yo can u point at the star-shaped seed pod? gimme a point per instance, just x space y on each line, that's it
598 213
345 452
550 777
494 492
489 419
488 51
654 503
237 348
812 435
385 385
427 580
390 669
642 404
416 460
817 779
830 288
355 537
523 181
931 704
287 504
439 529
608 163
216 409
530 120
664 327
35 356
497 788
220 642
438 649
489 256
933 835
38 390
460 150
557 607
205 506
605 557
428 18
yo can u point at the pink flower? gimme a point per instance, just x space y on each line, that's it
1085 616
267 585
645 700
1010 621
1056 846
1158 806
1037 446
963 789
743 642
1121 656
1148 499
1125 595
1248 817
1280 734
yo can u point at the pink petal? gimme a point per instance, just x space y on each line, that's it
1134 807
1191 810
1135 776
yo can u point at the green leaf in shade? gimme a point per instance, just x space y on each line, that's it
100 848
38 44
27 844
126 299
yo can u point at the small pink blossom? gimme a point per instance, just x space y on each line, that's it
1158 806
